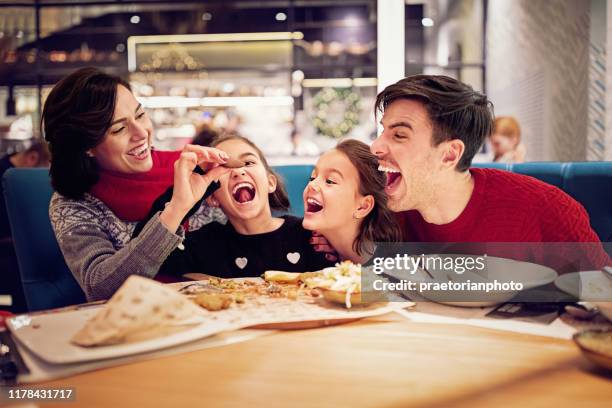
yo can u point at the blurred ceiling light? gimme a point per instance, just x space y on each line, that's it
135 19
19 34
247 101
335 48
206 16
228 87
120 47
186 102
332 82
296 90
281 16
297 76
1 34
352 21
169 102
365 82
339 82
427 22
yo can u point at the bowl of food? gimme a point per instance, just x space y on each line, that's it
346 298
339 284
596 346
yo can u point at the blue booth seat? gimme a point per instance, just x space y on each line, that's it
48 282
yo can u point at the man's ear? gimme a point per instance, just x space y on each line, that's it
452 152
272 183
366 205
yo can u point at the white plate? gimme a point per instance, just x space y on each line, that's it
586 285
529 274
48 337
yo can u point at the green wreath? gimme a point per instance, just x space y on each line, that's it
321 102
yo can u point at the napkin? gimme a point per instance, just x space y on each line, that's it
140 310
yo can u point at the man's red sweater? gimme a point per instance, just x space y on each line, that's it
514 208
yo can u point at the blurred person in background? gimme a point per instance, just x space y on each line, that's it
205 135
302 146
37 155
506 141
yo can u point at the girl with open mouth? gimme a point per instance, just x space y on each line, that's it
253 240
345 201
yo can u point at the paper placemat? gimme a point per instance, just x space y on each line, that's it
224 326
429 312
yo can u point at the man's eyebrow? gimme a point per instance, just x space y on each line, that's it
400 124
122 119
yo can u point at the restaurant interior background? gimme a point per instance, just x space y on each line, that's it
272 68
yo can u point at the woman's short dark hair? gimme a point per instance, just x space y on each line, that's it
279 200
456 111
380 225
76 117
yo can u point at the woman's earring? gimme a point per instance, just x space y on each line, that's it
354 216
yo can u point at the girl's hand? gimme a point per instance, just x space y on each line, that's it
189 187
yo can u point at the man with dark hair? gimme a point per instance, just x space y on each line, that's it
432 128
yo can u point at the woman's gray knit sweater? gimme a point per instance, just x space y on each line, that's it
98 248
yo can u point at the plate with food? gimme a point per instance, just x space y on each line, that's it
469 287
145 315
593 286
142 316
596 346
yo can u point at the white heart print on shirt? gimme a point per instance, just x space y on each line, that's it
241 262
293 257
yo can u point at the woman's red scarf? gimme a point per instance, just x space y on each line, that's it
130 196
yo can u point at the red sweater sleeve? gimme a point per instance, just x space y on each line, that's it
566 221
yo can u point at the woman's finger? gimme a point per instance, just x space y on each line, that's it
207 154
186 162
215 173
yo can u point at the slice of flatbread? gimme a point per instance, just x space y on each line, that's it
288 277
140 310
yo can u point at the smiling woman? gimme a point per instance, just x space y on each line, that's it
107 176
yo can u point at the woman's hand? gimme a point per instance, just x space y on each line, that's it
189 187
